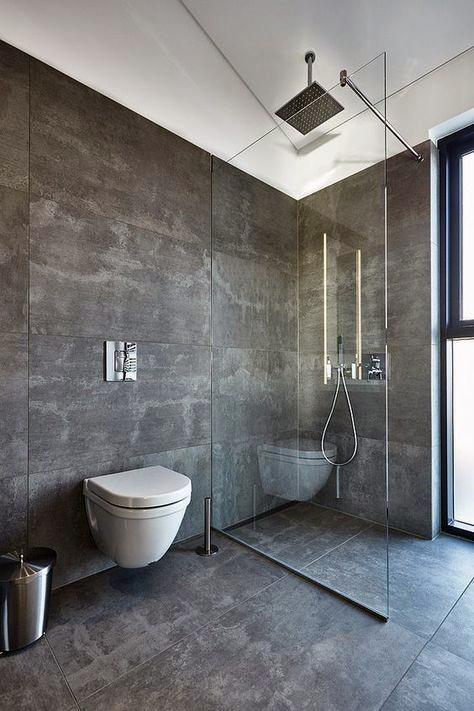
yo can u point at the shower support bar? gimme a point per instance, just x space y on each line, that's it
345 80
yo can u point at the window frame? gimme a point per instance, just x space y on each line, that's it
452 326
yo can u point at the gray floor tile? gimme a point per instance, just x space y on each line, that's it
290 647
301 533
437 681
105 625
357 569
456 634
31 679
443 567
426 579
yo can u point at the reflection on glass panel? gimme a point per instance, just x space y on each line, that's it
467 173
463 441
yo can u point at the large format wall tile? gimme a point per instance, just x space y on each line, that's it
252 220
13 511
58 517
237 488
254 392
410 496
101 158
93 276
13 260
14 119
77 417
13 405
254 304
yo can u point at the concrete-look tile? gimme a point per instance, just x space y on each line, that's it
410 494
31 680
409 291
252 220
78 417
93 276
13 510
236 483
362 483
357 569
254 393
13 405
409 376
254 304
104 626
97 156
290 647
13 259
408 199
14 117
437 681
351 211
456 634
443 566
299 534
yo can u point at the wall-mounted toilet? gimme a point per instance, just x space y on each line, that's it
294 469
135 515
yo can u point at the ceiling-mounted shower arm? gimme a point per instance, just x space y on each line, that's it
309 58
345 80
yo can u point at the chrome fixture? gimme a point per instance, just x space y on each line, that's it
120 361
25 591
340 379
312 106
374 370
345 80
208 548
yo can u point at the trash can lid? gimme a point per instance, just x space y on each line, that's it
24 565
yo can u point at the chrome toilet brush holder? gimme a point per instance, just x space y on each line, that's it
208 548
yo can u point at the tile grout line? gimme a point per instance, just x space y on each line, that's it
190 634
428 640
63 675
364 530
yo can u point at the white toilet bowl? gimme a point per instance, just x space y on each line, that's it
135 515
295 470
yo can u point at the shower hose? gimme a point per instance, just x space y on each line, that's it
340 378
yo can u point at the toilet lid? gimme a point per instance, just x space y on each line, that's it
141 488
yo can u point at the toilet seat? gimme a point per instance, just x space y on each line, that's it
139 513
148 488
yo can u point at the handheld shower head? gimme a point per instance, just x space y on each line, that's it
340 350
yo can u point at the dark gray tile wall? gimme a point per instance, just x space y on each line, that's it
254 333
14 149
351 215
106 218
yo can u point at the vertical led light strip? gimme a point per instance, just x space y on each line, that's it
325 309
358 265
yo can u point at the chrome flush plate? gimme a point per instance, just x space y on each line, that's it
120 361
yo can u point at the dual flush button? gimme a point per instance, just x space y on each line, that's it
120 361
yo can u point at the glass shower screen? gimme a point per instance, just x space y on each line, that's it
298 308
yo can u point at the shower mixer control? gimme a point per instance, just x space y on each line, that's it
120 361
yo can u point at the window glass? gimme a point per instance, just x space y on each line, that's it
467 233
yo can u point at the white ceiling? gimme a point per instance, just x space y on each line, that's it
214 71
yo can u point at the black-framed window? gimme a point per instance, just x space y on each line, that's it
457 331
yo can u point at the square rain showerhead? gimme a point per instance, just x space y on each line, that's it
310 108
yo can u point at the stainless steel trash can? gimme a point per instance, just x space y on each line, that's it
25 589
